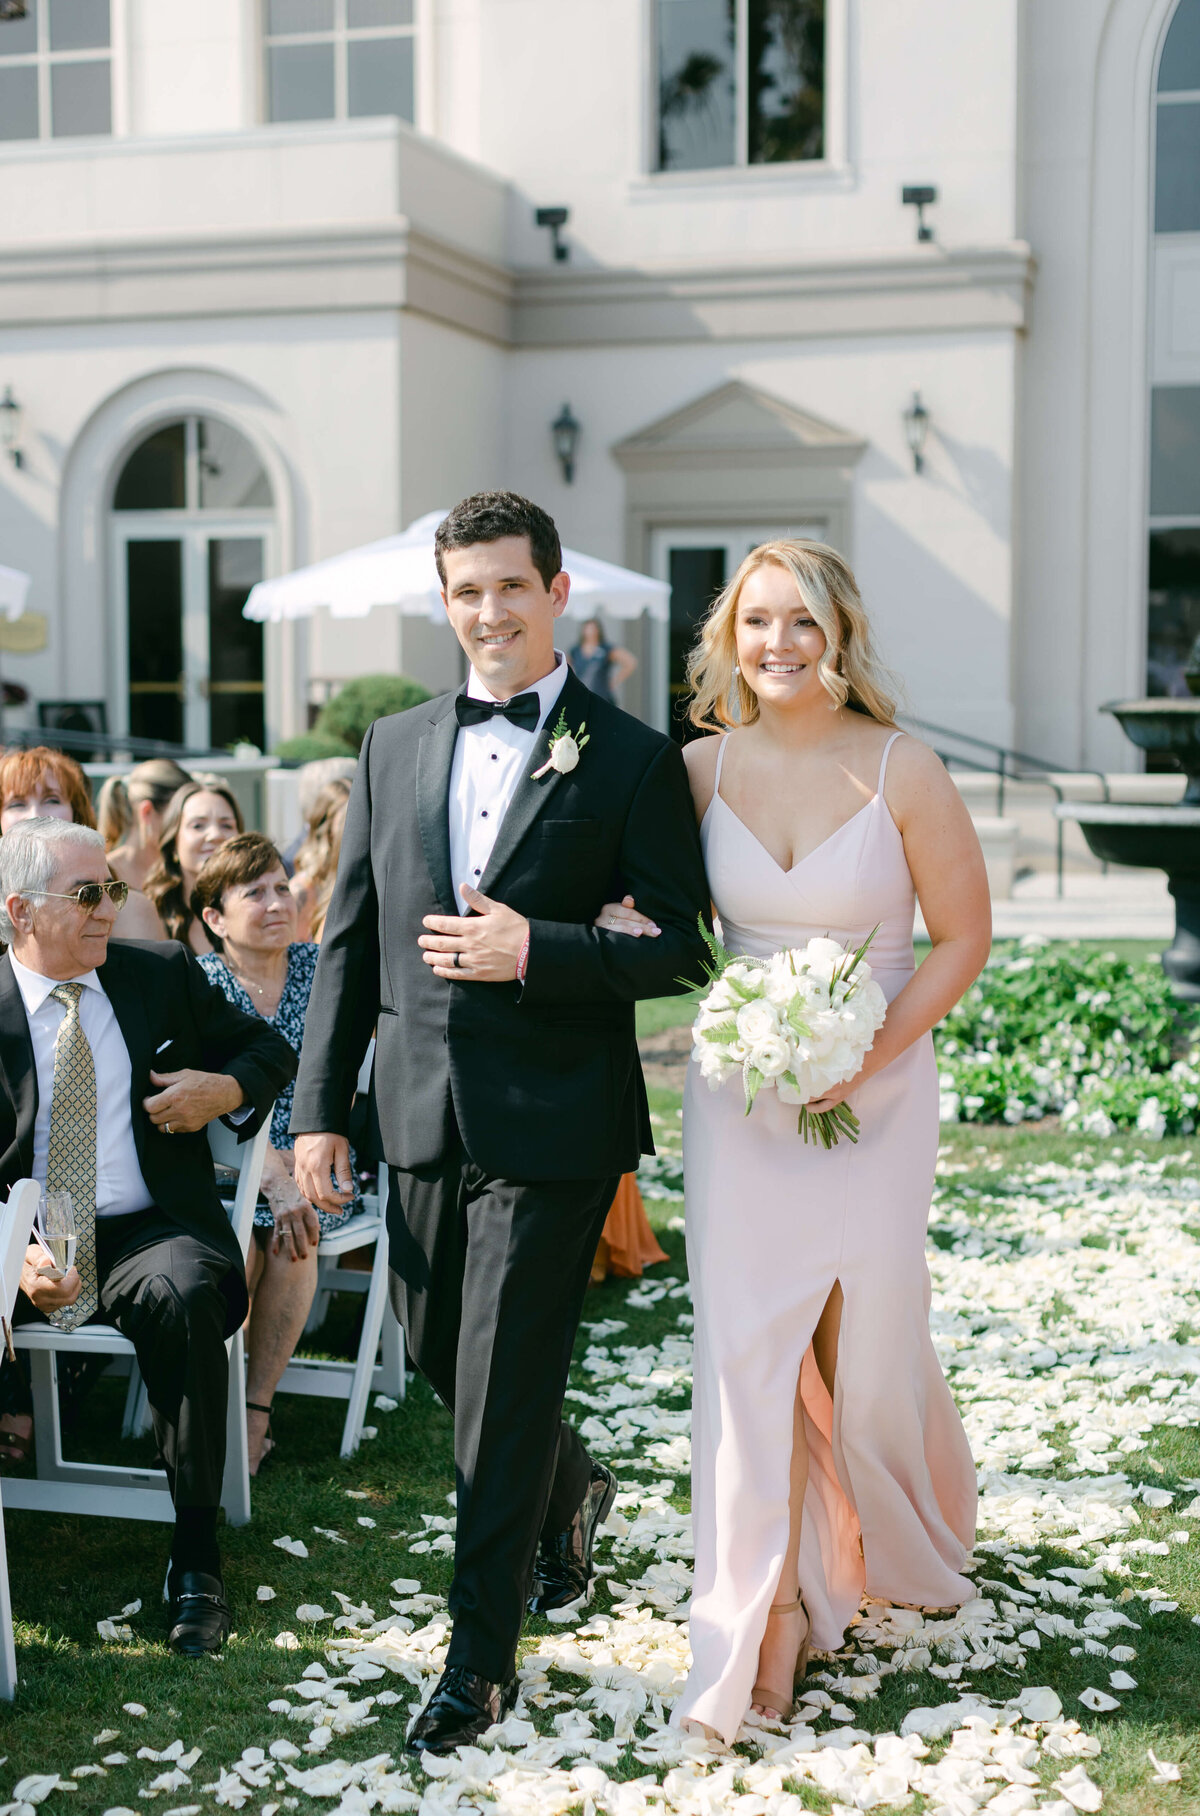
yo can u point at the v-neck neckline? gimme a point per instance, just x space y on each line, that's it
836 833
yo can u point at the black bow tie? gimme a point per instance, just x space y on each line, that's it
524 710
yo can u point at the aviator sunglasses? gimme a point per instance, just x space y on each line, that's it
88 895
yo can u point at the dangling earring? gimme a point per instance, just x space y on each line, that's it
736 671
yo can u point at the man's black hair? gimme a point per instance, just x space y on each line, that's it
489 517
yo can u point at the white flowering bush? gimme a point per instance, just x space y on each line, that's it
1088 1036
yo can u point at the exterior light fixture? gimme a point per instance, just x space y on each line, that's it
920 196
555 219
11 415
566 430
12 9
916 428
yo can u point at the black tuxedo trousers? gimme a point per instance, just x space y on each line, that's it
488 1279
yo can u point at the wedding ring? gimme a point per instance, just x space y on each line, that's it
166 1128
458 961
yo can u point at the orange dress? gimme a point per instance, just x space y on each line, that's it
627 1243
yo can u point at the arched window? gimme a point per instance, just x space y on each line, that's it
1174 564
193 523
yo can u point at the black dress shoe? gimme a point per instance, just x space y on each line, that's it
200 1617
564 1563
461 1708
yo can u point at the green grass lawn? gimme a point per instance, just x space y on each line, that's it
69 1573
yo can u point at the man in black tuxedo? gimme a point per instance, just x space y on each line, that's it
112 1061
478 848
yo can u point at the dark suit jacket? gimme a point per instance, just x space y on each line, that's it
543 1082
159 994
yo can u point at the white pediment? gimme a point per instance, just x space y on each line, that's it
738 420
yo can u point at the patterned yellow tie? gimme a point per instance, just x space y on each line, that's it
71 1158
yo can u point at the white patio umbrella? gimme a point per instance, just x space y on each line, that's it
14 590
399 571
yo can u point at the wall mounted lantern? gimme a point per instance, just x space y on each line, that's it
566 430
555 219
916 428
12 9
920 196
11 415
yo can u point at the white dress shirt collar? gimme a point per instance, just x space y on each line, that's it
35 987
547 689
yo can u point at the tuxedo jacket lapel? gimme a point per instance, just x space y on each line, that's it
18 1071
129 1007
435 759
531 796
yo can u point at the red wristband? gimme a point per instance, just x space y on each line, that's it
523 960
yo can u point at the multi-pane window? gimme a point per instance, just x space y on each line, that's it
739 82
339 59
1177 159
56 70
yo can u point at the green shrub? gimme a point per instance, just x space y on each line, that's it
1094 1038
361 702
310 746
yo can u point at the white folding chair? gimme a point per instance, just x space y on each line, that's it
120 1492
381 1335
16 1221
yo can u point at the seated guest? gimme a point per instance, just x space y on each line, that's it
130 812
47 784
201 816
243 898
113 1058
317 858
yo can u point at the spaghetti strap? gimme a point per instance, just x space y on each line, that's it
882 766
720 760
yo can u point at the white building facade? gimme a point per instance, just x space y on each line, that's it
272 285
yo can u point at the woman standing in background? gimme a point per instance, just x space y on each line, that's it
600 665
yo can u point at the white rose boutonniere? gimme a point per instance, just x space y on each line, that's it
565 747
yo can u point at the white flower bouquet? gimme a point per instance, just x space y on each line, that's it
798 1023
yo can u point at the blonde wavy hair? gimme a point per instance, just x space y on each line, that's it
849 670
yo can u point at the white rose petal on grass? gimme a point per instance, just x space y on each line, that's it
1164 1772
310 1612
287 1642
385 1403
265 1593
37 1787
1124 1655
364 1520
1121 1680
105 1735
1079 1789
1098 1700
356 1494
293 1547
134 1708
370 1431
115 1759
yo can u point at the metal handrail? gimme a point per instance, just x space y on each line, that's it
1004 771
114 744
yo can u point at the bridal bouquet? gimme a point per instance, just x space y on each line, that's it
797 1023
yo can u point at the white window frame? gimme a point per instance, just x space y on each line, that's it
340 35
838 26
45 59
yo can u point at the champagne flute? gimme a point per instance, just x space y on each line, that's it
56 1226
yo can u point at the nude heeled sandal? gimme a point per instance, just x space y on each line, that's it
775 1699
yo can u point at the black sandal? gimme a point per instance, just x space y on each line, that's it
269 1441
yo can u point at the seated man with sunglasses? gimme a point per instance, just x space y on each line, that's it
113 1057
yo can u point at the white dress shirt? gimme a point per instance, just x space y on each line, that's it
489 761
119 1183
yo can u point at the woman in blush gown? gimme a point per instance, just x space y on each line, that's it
828 1458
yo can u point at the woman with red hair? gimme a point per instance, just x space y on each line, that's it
45 784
